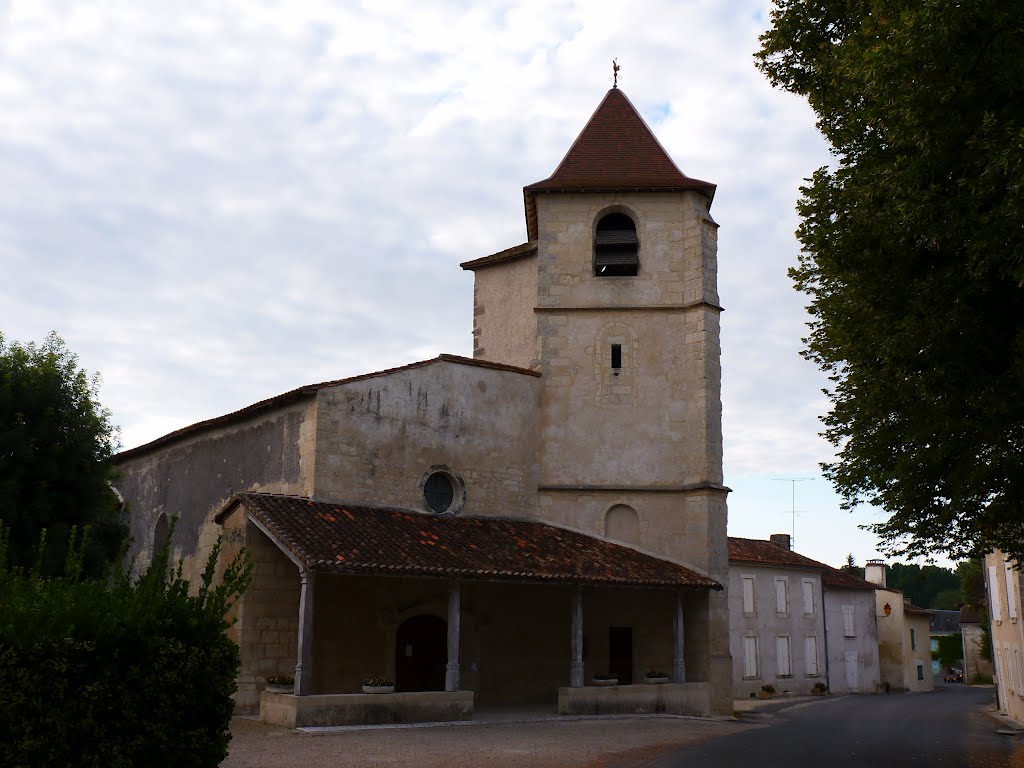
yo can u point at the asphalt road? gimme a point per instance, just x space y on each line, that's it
945 728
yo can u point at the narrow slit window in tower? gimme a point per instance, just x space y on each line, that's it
616 357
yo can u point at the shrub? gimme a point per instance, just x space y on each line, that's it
768 689
116 673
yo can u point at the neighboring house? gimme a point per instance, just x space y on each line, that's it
1002 583
777 634
943 623
904 645
975 667
796 622
851 633
500 529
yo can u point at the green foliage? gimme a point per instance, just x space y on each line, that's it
950 651
913 258
924 584
946 600
115 673
56 442
972 583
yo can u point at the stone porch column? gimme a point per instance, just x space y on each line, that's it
678 659
451 676
576 668
304 657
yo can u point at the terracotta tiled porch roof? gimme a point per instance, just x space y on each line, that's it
346 538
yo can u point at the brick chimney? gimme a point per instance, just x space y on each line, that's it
782 539
874 571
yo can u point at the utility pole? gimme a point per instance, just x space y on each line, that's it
793 481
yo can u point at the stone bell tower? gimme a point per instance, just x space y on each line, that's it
614 300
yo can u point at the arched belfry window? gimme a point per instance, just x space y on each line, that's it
616 247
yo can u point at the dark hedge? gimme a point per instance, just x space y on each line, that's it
117 672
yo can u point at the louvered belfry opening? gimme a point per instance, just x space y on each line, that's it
616 247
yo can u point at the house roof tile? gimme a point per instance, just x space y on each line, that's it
348 538
837 579
761 552
509 254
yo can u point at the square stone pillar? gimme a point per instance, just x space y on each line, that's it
303 667
576 668
451 676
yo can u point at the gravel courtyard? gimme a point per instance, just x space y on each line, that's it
614 742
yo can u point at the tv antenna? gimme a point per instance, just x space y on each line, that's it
793 511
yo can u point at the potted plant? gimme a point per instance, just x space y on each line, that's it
280 684
655 678
766 692
605 678
378 685
819 689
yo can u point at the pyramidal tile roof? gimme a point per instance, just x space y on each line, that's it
616 150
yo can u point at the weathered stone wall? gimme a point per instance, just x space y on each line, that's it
190 478
864 642
891 632
379 438
1006 616
918 656
648 434
652 425
504 324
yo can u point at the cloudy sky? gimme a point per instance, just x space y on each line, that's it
216 202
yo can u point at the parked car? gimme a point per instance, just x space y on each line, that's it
953 675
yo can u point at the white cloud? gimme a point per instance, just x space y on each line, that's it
217 202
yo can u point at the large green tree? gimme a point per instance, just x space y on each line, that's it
913 258
56 442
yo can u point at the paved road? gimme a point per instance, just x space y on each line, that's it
946 728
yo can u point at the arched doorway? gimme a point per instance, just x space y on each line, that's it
421 654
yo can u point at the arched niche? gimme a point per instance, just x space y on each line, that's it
622 523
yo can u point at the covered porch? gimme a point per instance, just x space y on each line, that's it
532 616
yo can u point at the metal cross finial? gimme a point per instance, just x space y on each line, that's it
615 73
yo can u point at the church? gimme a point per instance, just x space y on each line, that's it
542 525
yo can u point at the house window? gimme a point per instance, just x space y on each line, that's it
1020 678
1008 668
920 671
808 585
616 247
913 639
848 623
993 590
749 606
784 656
750 656
811 655
782 596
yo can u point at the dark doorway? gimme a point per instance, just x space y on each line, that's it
421 654
620 653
